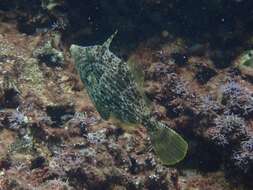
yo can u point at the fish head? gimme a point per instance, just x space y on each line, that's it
85 55
91 54
88 58
88 61
93 61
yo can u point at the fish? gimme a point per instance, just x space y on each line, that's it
245 63
114 91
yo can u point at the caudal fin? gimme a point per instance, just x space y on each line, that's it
169 146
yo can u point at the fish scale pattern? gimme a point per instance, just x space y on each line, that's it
111 85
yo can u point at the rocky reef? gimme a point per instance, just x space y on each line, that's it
197 79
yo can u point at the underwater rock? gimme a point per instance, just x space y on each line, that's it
10 99
56 184
7 138
236 98
204 74
214 127
209 106
49 55
60 114
243 159
228 130
33 81
180 59
173 91
24 145
159 180
241 163
4 164
13 119
159 70
9 93
221 59
37 162
83 121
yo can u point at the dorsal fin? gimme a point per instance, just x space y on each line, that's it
108 42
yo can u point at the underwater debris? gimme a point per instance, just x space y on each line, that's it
112 88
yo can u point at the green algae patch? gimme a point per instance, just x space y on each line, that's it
33 81
245 63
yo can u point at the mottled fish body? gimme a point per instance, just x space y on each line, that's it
114 91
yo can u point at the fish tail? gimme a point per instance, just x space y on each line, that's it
169 146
